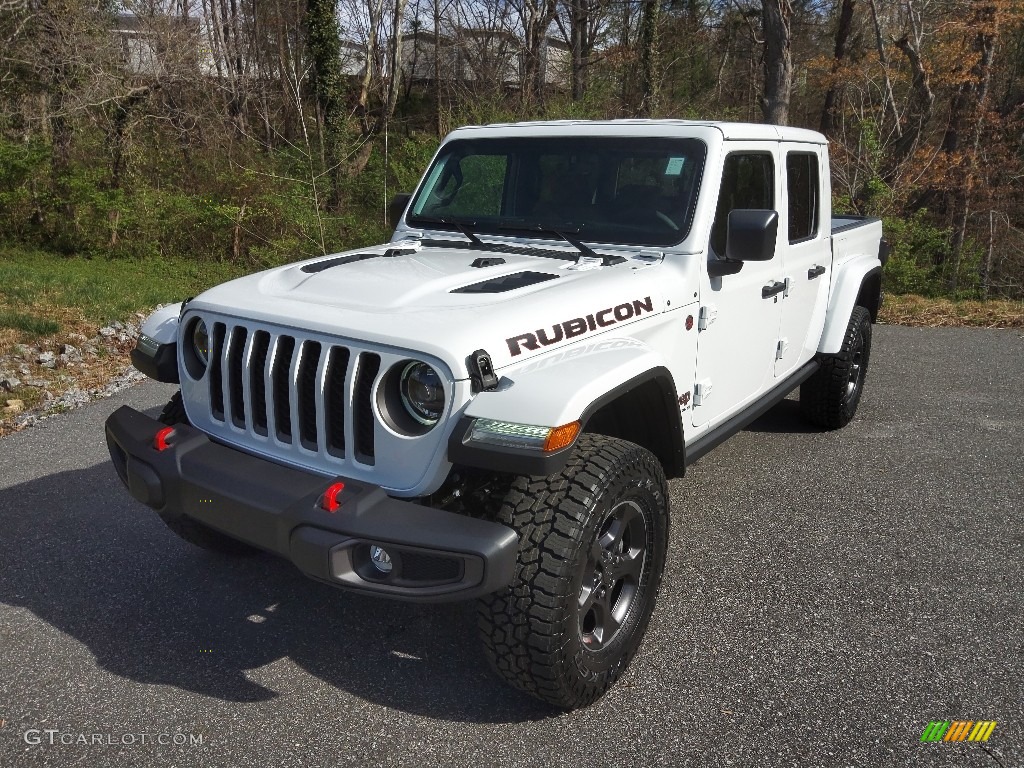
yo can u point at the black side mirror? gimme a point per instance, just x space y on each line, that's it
751 235
397 207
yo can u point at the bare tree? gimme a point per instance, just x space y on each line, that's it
776 16
650 58
967 112
834 93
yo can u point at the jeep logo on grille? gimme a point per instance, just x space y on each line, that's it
577 326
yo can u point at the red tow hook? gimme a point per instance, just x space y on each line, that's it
160 439
330 501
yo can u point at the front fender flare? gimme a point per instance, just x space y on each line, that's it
567 386
162 325
156 351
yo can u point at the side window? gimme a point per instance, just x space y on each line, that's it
748 181
802 186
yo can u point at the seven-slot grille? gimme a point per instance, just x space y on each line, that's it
306 394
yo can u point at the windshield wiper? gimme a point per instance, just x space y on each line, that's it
461 226
563 234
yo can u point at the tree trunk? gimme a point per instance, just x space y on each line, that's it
537 17
438 117
650 59
328 84
375 8
834 93
986 273
395 65
968 110
778 63
919 109
579 46
888 100
60 160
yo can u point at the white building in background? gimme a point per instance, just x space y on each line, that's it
479 56
158 45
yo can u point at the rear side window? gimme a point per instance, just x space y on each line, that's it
802 186
748 181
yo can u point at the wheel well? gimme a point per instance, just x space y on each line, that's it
645 414
870 296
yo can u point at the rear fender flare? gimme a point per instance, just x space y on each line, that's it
846 288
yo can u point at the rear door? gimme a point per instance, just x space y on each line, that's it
738 326
806 253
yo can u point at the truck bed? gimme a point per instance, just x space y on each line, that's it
855 236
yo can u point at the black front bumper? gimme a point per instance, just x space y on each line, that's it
436 555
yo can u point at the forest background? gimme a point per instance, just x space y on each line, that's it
241 134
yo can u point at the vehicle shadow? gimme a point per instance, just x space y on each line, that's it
784 418
82 555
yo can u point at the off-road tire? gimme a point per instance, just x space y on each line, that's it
188 528
602 522
830 397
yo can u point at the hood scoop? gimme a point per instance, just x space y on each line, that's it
320 266
506 283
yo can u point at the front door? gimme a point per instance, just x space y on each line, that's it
739 326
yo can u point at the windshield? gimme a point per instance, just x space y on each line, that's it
629 190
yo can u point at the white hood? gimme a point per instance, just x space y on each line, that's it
406 301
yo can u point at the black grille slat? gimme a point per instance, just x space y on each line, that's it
308 364
282 389
311 397
334 400
257 383
216 383
369 365
236 353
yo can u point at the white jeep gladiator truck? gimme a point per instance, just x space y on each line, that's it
488 406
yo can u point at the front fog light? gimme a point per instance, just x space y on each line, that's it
381 559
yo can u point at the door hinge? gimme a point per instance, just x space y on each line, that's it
701 392
780 348
706 316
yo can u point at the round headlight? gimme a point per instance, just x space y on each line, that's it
422 393
201 342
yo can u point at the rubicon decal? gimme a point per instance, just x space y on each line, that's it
958 730
578 326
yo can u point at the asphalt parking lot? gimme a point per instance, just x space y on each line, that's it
826 596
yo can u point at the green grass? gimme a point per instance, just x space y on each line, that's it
38 289
30 324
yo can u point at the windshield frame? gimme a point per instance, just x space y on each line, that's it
516 150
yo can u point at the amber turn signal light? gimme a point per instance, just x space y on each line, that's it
559 437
